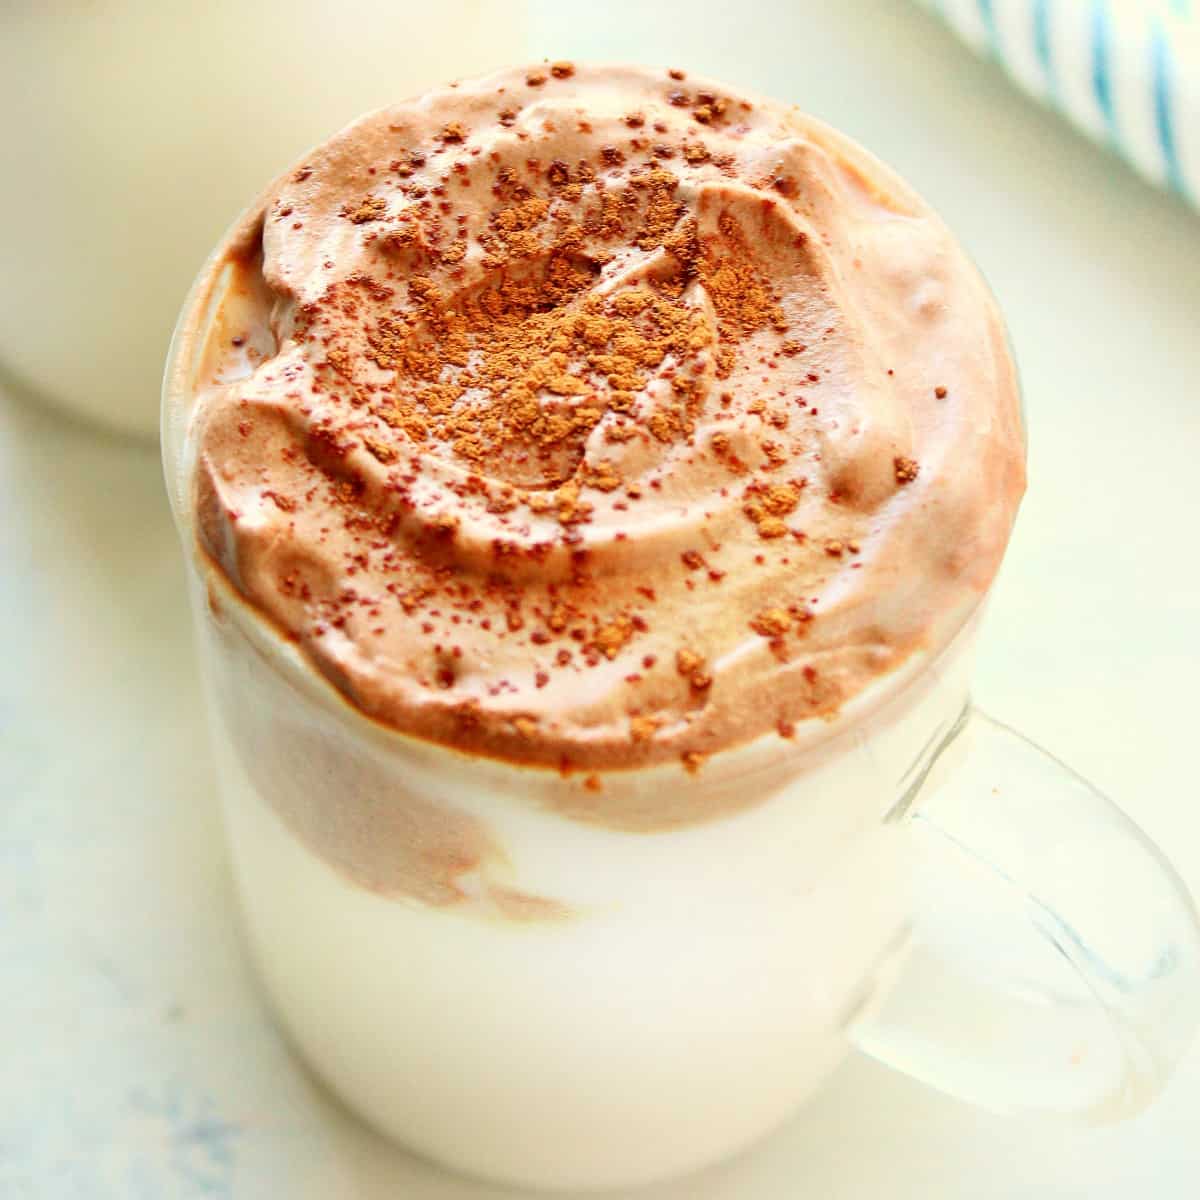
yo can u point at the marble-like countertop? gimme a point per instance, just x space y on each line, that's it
136 1060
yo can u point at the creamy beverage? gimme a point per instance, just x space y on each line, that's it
591 477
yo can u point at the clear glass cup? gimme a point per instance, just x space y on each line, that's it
530 982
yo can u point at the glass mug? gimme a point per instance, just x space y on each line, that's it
531 982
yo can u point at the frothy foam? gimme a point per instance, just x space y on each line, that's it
598 418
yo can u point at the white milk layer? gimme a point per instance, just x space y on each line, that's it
696 995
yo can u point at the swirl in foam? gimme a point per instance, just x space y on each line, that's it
604 418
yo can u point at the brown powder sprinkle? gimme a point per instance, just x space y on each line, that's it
381 450
772 622
694 669
369 208
766 506
642 729
709 108
779 499
602 476
520 375
609 638
740 295
771 527
407 163
557 620
283 503
338 357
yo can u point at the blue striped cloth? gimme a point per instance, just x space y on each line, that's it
1127 72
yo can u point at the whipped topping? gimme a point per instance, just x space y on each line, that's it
598 417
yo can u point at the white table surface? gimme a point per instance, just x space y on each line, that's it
135 1057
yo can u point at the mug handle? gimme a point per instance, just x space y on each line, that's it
1054 957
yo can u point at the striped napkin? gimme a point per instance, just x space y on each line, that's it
1127 72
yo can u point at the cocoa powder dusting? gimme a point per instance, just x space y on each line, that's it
573 339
